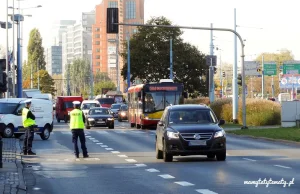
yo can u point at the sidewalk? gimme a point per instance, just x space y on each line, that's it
11 175
252 127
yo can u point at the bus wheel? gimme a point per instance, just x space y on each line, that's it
138 126
143 127
132 124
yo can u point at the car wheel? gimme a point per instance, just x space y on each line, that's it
111 126
119 119
211 156
167 157
46 133
87 127
138 126
65 119
221 156
159 153
8 131
131 124
58 120
143 127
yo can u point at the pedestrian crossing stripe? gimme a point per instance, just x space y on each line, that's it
113 131
68 159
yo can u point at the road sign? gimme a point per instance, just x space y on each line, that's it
270 69
211 59
290 82
291 69
251 68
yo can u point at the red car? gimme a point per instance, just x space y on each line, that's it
64 105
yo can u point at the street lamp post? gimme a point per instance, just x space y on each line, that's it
6 28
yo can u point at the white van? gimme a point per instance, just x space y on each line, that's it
11 117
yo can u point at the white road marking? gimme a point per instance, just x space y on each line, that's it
227 154
99 143
87 136
249 159
184 183
90 159
123 156
152 170
130 160
115 152
109 149
77 159
52 159
282 166
95 141
140 165
205 191
36 188
91 138
166 176
102 132
104 146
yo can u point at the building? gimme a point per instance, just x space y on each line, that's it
105 45
58 28
54 60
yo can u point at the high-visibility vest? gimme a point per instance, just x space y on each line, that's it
27 122
76 121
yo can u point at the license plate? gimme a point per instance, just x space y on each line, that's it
197 143
100 121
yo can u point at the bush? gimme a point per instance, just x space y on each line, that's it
260 112
217 106
226 112
202 100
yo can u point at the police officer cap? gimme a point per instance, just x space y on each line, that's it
76 103
27 101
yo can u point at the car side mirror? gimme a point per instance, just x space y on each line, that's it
19 113
160 123
221 122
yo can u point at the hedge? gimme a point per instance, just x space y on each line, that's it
202 100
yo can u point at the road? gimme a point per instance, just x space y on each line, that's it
122 161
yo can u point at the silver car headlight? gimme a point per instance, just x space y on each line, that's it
172 135
110 119
91 119
220 134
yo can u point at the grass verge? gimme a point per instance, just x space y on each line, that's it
291 134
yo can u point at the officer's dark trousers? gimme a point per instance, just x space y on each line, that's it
29 135
75 134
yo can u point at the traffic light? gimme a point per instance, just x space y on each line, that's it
3 85
239 79
112 18
223 74
258 70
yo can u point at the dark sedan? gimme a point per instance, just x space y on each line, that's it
101 117
123 113
190 130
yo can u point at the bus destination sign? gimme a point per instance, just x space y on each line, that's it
163 88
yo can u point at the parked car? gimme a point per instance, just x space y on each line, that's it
115 109
101 117
190 130
64 105
123 113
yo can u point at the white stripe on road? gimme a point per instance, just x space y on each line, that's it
205 191
99 143
91 138
115 152
123 156
140 165
152 170
109 149
166 176
52 159
95 141
102 132
249 159
104 146
282 166
130 160
87 136
184 183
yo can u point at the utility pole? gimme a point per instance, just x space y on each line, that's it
262 78
117 64
92 77
6 28
211 69
31 77
13 53
171 59
38 71
235 88
128 62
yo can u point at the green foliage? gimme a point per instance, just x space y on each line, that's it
261 112
150 57
25 71
35 51
217 106
101 76
103 84
226 112
201 100
45 81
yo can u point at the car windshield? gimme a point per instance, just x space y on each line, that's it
106 100
115 106
124 108
198 116
68 104
8 108
158 101
100 111
87 106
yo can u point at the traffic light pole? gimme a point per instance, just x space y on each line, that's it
262 78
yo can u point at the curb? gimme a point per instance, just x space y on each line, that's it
265 138
22 185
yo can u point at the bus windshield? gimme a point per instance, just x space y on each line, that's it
157 101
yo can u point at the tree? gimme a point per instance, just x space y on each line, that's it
104 84
58 83
35 51
45 81
150 57
26 71
101 76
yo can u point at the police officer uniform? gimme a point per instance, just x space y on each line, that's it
28 120
77 121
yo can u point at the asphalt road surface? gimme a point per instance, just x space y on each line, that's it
122 161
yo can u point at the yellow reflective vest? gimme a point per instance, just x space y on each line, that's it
27 122
76 121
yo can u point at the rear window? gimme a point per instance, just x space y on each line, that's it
8 108
68 104
87 106
116 106
106 101
125 108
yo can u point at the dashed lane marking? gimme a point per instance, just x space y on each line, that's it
87 136
152 170
205 191
282 166
99 143
104 146
166 176
130 160
249 159
115 152
95 141
141 165
86 132
90 159
184 183
123 156
92 138
109 149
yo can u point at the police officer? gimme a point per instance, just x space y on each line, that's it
28 120
77 121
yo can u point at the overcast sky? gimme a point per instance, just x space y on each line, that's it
277 18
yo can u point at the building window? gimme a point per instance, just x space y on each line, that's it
130 10
98 57
97 42
97 35
97 63
97 50
97 29
112 4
